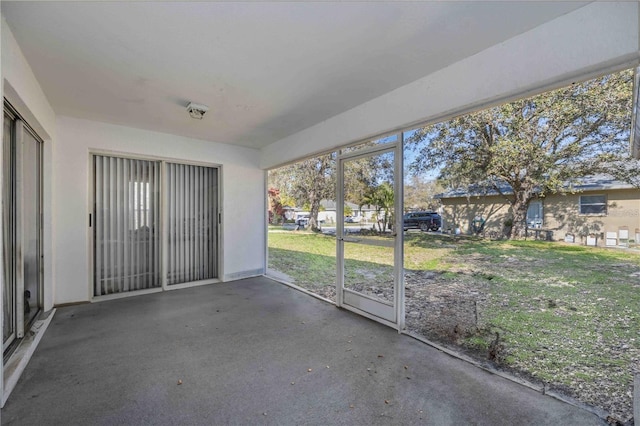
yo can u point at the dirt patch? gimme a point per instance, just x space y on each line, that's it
442 308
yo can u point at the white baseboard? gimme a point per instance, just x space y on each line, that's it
244 274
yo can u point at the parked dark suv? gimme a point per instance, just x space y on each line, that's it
425 221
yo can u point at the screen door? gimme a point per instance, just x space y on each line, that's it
369 252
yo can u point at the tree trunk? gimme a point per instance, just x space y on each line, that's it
519 211
379 221
313 214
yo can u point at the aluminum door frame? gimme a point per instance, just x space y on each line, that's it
398 184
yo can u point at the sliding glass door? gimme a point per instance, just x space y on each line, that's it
22 226
131 230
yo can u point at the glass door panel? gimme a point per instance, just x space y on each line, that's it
8 234
368 273
126 224
192 241
31 225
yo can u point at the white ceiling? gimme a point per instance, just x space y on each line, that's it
267 70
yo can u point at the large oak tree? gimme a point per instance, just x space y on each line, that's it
539 145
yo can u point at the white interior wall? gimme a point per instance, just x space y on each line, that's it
242 201
21 84
22 89
594 38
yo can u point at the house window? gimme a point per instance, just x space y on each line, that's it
534 215
593 204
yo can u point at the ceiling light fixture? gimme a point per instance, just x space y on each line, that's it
196 110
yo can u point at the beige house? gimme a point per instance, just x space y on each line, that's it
599 211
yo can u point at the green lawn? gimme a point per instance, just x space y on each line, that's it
307 258
565 315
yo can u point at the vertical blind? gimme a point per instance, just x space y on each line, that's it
126 225
192 221
128 196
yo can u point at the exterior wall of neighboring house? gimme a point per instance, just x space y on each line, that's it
561 214
459 213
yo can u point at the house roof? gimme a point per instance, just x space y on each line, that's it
600 182
332 205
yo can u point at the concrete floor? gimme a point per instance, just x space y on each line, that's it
255 352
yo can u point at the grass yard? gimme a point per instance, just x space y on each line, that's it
308 259
564 315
